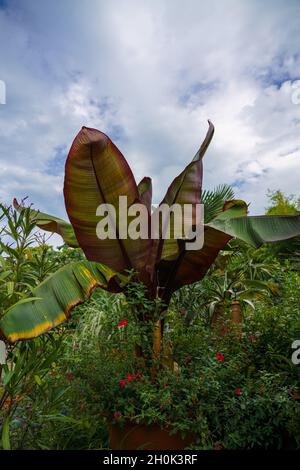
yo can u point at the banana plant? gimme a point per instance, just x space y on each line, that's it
96 172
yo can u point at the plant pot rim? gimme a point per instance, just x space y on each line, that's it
132 436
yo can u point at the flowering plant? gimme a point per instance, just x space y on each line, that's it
120 382
225 390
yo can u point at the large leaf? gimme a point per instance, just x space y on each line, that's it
185 189
54 298
97 173
191 266
257 230
52 224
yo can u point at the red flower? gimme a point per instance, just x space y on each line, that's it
252 338
69 376
238 391
225 328
117 414
122 323
129 377
138 375
220 357
123 382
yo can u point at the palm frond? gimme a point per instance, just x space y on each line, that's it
213 201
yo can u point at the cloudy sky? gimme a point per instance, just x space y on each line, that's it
149 73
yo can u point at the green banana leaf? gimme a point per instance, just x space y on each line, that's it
191 266
52 224
257 230
55 297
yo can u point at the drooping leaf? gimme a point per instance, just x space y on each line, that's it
251 304
257 230
192 265
257 285
50 223
54 298
97 173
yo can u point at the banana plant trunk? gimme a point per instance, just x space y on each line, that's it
156 347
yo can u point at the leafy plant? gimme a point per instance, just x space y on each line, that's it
96 172
23 266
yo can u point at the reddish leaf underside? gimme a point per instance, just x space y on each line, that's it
185 189
97 173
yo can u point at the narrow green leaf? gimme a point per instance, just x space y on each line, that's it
7 377
5 434
38 379
10 287
51 223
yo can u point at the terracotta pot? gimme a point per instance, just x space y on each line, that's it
149 437
236 312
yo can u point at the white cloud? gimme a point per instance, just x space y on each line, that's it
150 74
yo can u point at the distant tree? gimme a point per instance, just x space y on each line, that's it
284 205
281 204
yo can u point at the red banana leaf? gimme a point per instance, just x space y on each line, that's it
97 173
